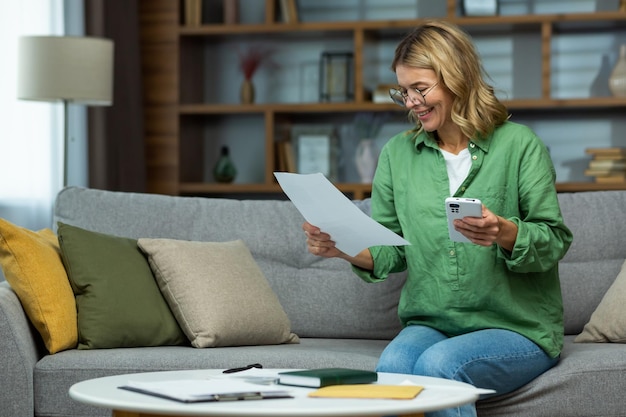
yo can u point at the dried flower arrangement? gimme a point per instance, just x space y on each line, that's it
251 58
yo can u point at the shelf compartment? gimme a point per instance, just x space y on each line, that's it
201 139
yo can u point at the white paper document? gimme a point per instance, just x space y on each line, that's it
200 390
324 206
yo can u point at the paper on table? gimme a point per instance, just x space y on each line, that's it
324 206
192 390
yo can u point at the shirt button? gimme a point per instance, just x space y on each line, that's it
462 188
472 145
474 157
452 253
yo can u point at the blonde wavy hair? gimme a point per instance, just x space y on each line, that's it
448 50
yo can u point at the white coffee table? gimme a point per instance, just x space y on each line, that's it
104 392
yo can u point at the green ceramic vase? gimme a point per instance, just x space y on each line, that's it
224 170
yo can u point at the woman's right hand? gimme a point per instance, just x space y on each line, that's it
320 243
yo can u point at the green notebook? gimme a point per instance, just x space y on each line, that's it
323 377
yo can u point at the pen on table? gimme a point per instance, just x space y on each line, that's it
243 368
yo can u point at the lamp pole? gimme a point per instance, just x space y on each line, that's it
66 140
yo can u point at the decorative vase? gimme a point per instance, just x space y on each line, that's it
247 92
366 160
224 170
617 80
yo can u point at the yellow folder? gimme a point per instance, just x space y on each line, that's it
394 392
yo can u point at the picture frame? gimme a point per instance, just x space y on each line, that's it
336 79
315 150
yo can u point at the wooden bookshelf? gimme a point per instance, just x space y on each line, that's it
177 113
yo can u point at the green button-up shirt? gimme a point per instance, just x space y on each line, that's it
461 287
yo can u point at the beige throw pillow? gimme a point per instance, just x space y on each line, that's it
217 293
608 321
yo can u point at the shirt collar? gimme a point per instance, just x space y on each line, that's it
423 138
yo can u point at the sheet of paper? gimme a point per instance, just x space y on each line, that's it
191 390
324 206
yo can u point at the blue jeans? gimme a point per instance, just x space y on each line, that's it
501 360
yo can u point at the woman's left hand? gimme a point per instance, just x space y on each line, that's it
488 229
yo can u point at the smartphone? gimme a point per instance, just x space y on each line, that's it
457 208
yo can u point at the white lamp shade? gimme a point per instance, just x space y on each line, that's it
77 69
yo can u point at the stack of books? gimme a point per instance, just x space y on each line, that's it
608 165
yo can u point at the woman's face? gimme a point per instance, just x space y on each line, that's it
435 113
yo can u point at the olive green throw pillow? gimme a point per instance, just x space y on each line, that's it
118 301
217 292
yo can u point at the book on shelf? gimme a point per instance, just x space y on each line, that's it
285 156
607 153
317 378
611 179
607 164
193 12
289 11
600 172
231 12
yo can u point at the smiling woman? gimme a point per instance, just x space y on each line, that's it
28 144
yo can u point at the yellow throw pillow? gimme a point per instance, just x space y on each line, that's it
32 264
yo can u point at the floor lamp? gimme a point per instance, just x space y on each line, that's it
70 69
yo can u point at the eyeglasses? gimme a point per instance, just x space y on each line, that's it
400 96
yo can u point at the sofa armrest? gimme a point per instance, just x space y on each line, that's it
21 348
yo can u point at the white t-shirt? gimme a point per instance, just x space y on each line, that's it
458 167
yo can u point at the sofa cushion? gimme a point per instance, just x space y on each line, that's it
32 264
587 381
594 259
608 321
218 293
119 303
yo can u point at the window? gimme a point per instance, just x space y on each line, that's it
31 141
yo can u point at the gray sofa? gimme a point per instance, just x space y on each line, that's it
341 321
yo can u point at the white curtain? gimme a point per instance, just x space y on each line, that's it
31 137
